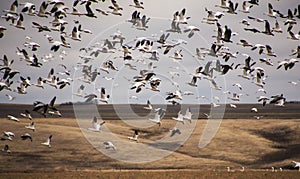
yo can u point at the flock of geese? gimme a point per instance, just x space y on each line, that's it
143 55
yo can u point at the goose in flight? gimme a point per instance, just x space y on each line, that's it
13 8
43 108
267 30
109 145
135 136
277 28
137 4
174 131
28 8
79 92
263 99
176 95
278 100
10 97
31 126
149 106
26 136
245 8
48 141
42 10
296 52
13 118
179 117
293 36
96 125
232 7
235 97
296 164
158 116
116 9
103 98
191 30
2 29
287 63
188 114
19 23
6 149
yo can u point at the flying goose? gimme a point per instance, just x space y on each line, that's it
29 8
278 100
188 114
191 30
109 145
96 125
13 8
135 136
13 118
263 99
149 106
287 63
48 142
176 95
158 116
19 23
267 30
232 7
31 126
6 149
26 136
2 29
26 114
245 8
294 36
235 97
89 12
116 9
137 4
179 117
296 164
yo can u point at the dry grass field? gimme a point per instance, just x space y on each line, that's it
254 144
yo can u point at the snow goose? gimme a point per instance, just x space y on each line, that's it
193 82
232 7
179 117
176 95
245 8
188 114
278 100
26 136
10 97
26 114
293 36
48 142
29 8
42 10
267 30
233 106
191 30
19 23
135 136
89 12
13 8
254 110
223 4
263 99
288 63
31 126
96 125
277 28
79 92
137 4
149 106
296 164
116 9
158 116
2 29
13 118
109 145
235 97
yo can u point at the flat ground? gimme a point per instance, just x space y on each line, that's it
254 144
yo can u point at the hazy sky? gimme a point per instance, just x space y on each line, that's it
161 13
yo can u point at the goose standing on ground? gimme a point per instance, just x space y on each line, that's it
109 145
48 142
135 136
96 125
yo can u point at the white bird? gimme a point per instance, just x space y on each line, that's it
109 145
296 164
31 126
2 29
158 116
233 105
48 142
10 97
13 118
254 110
96 125
79 92
188 115
19 23
238 85
235 97
179 117
149 106
135 136
103 98
191 30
